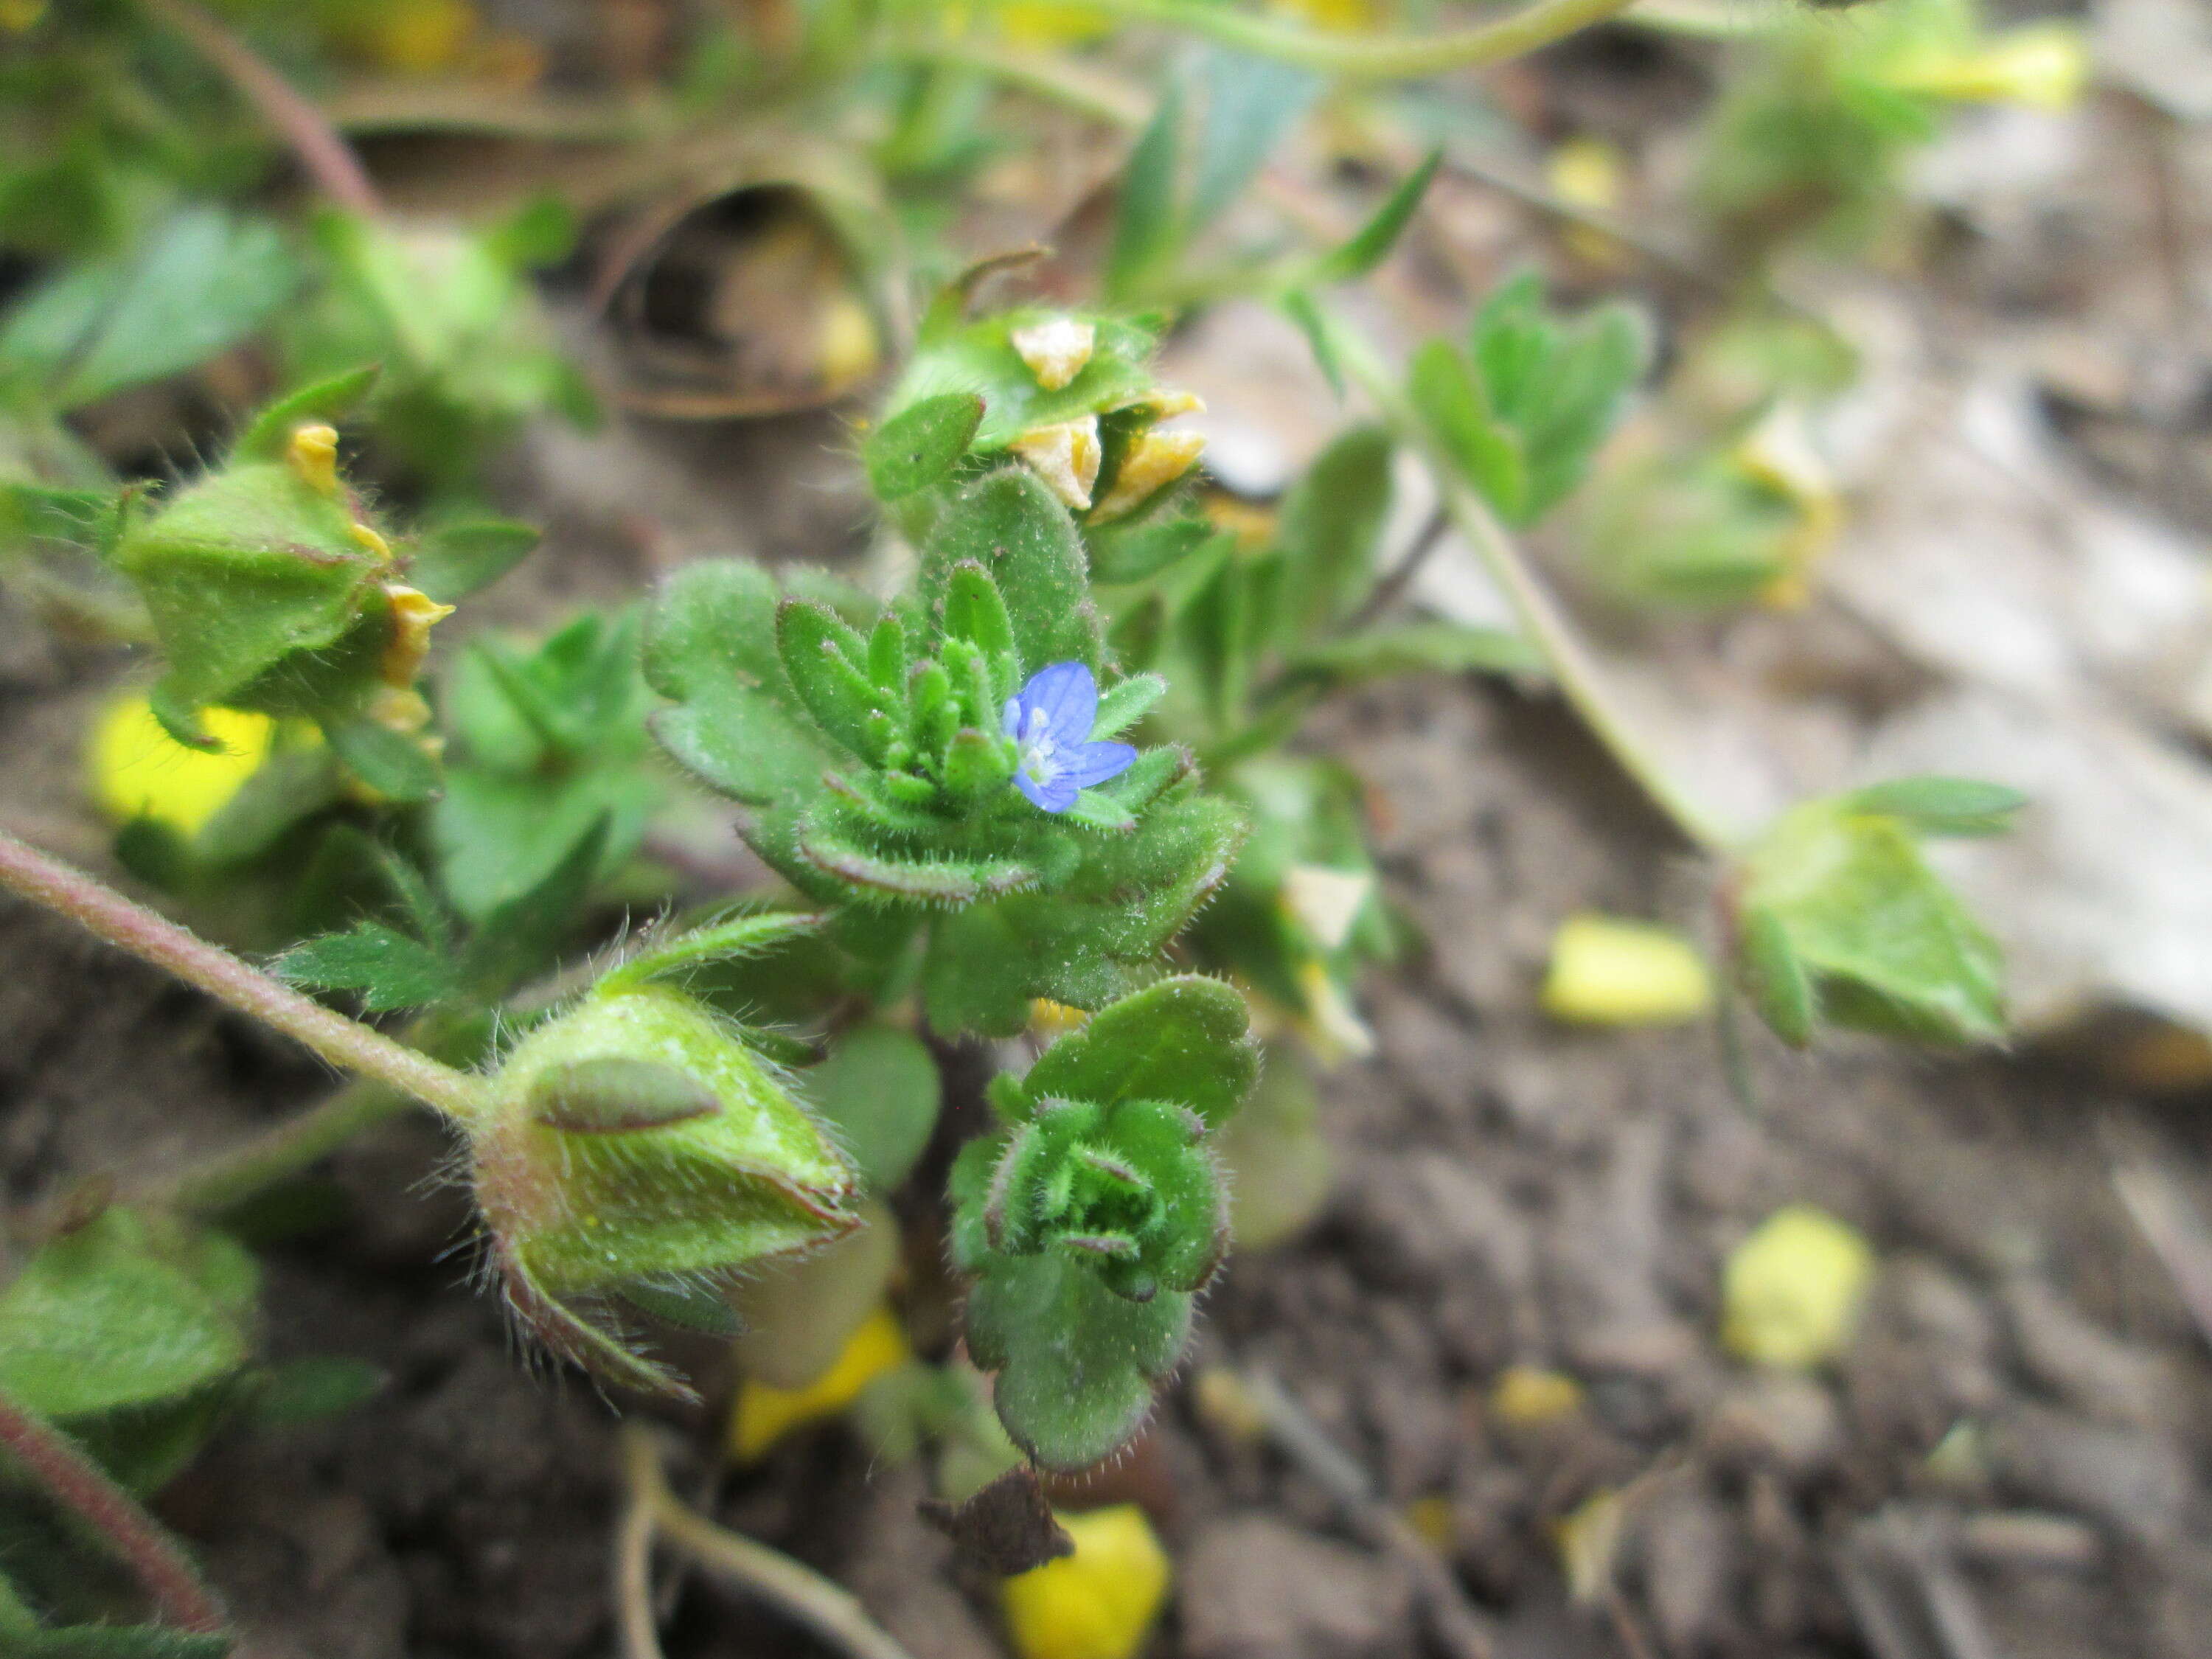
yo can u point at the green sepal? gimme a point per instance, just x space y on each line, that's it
326 403
1939 805
920 444
1773 978
389 969
452 562
395 764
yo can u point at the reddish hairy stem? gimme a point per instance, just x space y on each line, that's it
74 1481
326 157
151 937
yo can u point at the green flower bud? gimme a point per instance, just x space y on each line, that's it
639 1147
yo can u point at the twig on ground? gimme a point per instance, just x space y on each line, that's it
2171 1227
323 155
832 1612
74 1481
1456 1626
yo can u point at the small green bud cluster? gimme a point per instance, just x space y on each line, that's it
1092 1217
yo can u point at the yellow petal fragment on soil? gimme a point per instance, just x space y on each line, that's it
1098 1603
765 1414
1790 1292
1530 1397
1606 971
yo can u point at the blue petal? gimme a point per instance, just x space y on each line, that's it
1094 763
1056 796
1069 697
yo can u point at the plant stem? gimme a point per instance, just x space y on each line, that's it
228 1179
1538 613
325 157
1372 57
828 1610
73 1479
344 1043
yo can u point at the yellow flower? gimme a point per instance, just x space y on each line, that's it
1790 1292
140 771
1609 972
19 16
1586 172
1589 1541
765 1414
1098 1603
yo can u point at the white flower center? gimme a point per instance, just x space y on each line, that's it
1038 761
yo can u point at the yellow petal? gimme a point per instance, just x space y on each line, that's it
1332 1024
765 1414
1608 972
1530 1396
1154 461
414 613
1791 1291
1056 348
1589 1541
1066 455
1098 1603
138 770
313 453
2043 66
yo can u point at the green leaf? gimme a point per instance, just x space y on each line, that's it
453 562
825 661
1009 524
1773 978
202 281
388 969
395 764
1123 704
1443 389
316 1387
1136 553
1184 1039
879 1090
1441 648
710 647
689 1306
1299 305
1146 224
118 1641
328 402
125 1310
520 937
1327 535
1250 103
1882 942
920 444
1372 244
1941 806
1076 1363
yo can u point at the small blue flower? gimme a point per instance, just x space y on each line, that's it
1049 720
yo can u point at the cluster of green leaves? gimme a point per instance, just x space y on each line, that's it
1837 918
1091 1218
1523 405
871 758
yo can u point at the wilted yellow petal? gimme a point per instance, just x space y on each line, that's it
313 453
1066 456
1154 461
1049 1019
847 345
1056 348
1530 1396
1098 1603
140 771
1609 972
1791 1291
765 1414
414 613
1332 1026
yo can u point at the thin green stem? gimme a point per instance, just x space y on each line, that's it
228 1179
1372 57
346 1043
1539 616
74 1481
